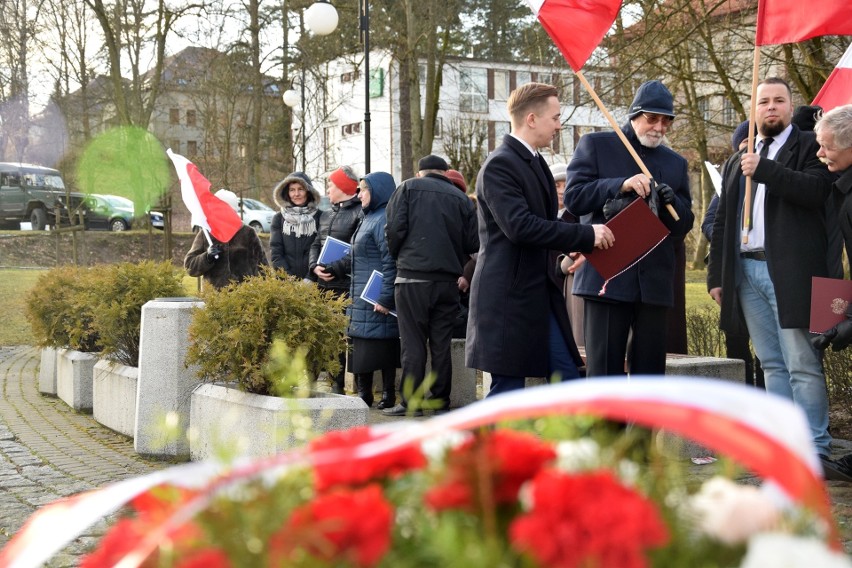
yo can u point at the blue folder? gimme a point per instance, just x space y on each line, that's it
332 250
373 290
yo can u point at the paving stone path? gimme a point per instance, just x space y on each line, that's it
48 451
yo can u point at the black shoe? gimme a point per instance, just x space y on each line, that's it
401 410
388 400
839 470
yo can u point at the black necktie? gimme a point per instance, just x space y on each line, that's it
764 153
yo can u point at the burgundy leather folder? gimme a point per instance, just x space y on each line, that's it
637 230
830 298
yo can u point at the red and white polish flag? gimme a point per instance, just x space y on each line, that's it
208 211
792 21
576 26
837 90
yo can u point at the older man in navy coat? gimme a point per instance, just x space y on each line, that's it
518 325
602 174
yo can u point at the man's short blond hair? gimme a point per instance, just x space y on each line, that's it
529 97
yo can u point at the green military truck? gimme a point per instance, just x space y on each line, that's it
29 193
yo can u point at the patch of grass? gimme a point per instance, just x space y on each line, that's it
14 285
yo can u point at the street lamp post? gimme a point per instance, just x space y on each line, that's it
321 18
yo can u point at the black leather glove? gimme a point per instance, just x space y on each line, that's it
214 251
823 340
666 193
843 338
615 205
839 337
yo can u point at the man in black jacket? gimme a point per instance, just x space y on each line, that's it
518 325
768 272
339 222
431 233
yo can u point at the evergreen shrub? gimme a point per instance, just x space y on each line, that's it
59 311
231 337
117 295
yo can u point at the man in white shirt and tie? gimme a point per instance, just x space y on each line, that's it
766 267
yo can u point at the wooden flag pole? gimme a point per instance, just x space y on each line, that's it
752 127
621 135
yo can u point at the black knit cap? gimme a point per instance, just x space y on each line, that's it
805 117
433 162
740 134
652 96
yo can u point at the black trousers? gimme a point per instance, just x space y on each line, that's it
608 326
427 312
736 347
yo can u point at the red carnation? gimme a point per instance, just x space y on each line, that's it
153 508
507 457
587 520
207 558
120 540
342 525
359 471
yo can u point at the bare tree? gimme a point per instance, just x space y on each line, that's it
17 28
465 144
131 32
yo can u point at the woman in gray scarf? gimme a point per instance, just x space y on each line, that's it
294 227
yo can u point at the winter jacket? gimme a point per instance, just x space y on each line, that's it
289 251
600 165
369 253
513 290
795 233
431 229
241 257
339 222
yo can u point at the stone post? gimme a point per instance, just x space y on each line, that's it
165 382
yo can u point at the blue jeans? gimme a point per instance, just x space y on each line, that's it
791 366
559 362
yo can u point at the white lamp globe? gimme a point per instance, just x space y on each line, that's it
321 18
291 98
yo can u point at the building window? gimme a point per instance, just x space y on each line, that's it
192 148
704 108
496 132
565 85
190 118
175 146
174 116
473 89
350 76
729 116
350 129
522 77
439 128
566 136
501 85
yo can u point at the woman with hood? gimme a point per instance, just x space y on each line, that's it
373 330
294 228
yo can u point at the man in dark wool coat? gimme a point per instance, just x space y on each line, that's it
518 326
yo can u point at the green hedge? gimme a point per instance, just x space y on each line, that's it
98 309
231 337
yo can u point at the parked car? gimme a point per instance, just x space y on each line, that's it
158 220
108 212
29 193
256 214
